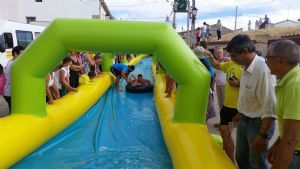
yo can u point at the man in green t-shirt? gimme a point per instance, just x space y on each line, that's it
283 60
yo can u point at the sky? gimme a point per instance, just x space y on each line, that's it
208 11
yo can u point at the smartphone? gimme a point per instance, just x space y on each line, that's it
232 77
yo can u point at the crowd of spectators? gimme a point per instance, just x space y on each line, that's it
249 97
204 33
65 77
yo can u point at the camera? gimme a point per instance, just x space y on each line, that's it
232 77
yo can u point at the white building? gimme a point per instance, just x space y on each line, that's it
42 12
286 23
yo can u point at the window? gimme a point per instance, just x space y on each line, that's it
95 16
36 34
8 40
30 19
38 1
24 38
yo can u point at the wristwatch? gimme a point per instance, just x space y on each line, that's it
265 136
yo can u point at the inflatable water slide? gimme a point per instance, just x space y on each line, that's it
97 118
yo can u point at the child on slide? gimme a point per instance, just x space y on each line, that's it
140 81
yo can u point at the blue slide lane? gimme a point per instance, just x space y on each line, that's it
121 130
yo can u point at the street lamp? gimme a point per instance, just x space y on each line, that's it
194 14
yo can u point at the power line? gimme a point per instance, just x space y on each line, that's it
168 17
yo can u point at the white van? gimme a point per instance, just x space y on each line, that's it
13 34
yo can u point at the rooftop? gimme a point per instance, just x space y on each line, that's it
263 35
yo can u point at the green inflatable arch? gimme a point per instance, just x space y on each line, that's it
63 35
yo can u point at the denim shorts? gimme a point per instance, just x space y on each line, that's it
295 163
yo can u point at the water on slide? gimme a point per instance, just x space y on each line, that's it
121 130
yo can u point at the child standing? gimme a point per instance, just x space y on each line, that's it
64 74
52 90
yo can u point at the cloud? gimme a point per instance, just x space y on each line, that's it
209 11
156 9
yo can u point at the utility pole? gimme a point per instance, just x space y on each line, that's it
100 6
174 14
194 15
236 8
288 12
188 40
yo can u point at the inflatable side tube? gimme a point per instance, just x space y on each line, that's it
190 145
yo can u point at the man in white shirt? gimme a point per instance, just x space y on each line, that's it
256 105
219 29
16 51
203 32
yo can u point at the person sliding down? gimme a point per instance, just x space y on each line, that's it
140 81
121 70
